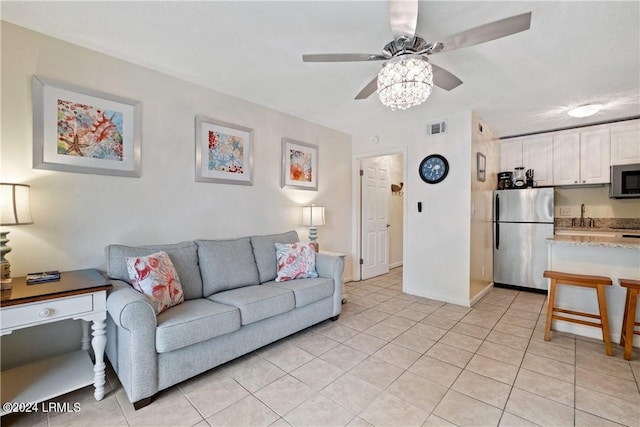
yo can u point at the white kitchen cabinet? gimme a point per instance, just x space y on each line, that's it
566 158
625 143
582 157
532 153
510 154
595 156
537 154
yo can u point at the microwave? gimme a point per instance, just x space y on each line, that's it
625 181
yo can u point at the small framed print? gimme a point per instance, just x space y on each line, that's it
481 164
224 152
299 165
83 130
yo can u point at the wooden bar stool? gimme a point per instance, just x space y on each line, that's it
629 319
594 282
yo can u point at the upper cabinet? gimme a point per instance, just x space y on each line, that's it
566 158
511 154
537 154
575 156
531 153
625 143
581 157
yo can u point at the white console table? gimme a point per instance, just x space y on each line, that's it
79 295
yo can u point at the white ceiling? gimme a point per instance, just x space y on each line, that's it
574 52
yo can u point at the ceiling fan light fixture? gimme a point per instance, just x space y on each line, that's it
585 110
405 82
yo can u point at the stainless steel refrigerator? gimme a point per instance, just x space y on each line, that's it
522 221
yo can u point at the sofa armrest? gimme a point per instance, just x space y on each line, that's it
135 340
332 267
130 309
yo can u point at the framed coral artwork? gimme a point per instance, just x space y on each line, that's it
224 152
299 165
83 130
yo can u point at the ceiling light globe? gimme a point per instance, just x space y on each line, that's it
585 110
405 82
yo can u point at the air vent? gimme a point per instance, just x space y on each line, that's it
437 128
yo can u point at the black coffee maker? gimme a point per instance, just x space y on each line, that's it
529 176
505 180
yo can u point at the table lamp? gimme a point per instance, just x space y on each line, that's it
312 217
14 210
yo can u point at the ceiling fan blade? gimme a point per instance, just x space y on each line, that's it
444 79
487 32
403 16
342 57
371 87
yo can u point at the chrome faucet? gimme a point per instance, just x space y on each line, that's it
582 210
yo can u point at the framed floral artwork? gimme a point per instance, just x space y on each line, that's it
481 167
83 130
224 152
299 165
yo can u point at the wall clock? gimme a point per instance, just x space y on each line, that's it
433 169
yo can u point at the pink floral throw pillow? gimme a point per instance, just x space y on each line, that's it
295 261
155 276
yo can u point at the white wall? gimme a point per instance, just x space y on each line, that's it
436 262
77 215
481 263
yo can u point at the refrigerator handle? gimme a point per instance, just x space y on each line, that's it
497 218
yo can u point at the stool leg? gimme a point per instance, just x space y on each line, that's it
624 317
604 319
630 313
550 303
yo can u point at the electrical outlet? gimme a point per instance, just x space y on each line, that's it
483 271
565 211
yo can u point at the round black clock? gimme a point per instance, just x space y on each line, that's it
433 169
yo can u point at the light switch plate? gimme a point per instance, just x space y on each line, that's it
565 211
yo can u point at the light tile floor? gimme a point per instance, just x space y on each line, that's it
395 360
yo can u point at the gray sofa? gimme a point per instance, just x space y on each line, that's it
232 306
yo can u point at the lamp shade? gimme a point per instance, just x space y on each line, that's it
312 216
14 204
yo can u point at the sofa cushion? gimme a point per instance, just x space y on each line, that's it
226 264
257 302
194 321
264 250
155 276
306 291
184 257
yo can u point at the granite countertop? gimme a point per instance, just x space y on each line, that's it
600 230
600 241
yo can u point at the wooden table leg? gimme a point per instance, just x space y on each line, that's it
606 335
99 342
550 303
630 313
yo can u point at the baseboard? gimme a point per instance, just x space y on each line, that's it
395 265
481 294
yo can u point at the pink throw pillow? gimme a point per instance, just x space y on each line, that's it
295 261
155 276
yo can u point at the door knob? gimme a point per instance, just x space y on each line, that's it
388 225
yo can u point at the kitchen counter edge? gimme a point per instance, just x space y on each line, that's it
600 241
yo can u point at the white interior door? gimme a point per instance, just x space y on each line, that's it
376 190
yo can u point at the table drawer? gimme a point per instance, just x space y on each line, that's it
45 311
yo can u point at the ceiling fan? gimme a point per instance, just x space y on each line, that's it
407 77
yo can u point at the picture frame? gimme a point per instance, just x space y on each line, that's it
299 165
81 130
224 152
481 165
